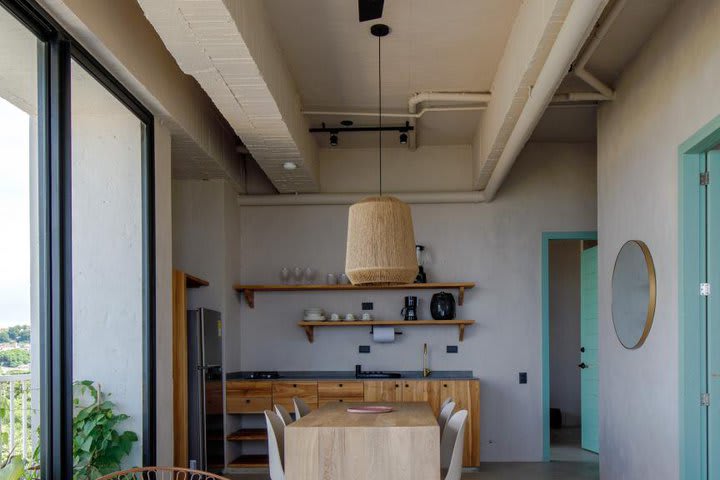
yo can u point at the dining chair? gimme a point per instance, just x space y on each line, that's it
301 408
276 445
445 413
284 414
445 402
161 473
451 446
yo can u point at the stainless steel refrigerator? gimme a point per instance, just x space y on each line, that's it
205 395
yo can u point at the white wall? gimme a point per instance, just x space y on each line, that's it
564 263
496 245
663 97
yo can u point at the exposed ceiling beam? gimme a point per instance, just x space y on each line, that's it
230 48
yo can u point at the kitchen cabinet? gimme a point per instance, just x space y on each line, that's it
283 393
248 397
352 391
422 391
383 390
466 395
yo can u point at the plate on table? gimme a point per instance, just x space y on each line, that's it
370 409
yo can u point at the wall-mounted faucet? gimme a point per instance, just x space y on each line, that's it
426 371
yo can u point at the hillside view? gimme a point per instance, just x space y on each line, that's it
15 349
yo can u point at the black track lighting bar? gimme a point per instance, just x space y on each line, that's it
335 130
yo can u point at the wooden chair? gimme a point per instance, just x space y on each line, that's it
284 414
161 473
445 412
276 445
301 408
451 446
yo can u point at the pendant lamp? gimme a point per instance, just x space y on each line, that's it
381 238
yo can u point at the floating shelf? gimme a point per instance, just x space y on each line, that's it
195 282
249 461
309 327
249 290
247 434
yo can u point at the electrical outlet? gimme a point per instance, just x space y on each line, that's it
523 377
452 349
367 305
364 349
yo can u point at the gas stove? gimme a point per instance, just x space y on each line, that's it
263 375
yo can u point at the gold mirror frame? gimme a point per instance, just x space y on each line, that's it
652 294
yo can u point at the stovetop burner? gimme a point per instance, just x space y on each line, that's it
263 375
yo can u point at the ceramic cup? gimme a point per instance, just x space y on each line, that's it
366 316
334 317
350 316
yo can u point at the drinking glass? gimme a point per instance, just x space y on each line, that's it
285 275
298 275
309 274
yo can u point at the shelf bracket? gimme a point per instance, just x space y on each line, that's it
310 332
461 296
249 297
461 332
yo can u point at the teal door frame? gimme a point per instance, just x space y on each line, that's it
692 271
545 293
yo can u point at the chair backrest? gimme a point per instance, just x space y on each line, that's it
444 416
161 473
301 408
284 414
445 402
451 446
276 445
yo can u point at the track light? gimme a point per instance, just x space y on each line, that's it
403 139
333 140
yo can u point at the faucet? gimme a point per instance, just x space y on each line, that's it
426 371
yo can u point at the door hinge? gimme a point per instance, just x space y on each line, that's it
705 400
705 178
704 289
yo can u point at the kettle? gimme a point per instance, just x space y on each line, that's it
442 306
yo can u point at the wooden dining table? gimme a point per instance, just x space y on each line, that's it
333 444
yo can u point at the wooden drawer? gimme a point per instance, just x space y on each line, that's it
383 391
244 388
283 393
239 404
340 390
323 400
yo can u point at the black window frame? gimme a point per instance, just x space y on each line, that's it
57 49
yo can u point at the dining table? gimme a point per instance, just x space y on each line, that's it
331 443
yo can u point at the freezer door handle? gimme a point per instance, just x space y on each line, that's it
207 367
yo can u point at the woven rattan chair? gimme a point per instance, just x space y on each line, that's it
161 473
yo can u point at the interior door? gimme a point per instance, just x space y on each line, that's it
713 314
589 373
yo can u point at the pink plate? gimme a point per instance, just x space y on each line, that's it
370 409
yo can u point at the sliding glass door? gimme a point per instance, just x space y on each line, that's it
77 295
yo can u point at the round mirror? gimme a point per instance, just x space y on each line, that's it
633 294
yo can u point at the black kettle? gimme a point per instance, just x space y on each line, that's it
442 306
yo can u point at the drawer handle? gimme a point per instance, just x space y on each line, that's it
247 401
341 385
407 386
396 385
294 385
445 385
341 400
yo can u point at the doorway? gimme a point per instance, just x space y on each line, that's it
699 312
569 342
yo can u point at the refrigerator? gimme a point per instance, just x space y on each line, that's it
206 430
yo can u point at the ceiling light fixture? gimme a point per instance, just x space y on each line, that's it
380 239
289 165
333 140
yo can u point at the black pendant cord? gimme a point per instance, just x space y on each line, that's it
380 109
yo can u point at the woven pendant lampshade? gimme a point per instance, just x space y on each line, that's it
380 243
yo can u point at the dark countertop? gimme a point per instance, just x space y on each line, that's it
350 375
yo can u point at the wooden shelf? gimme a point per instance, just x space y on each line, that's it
309 327
195 282
249 461
249 290
247 434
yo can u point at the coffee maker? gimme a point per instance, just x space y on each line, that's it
409 311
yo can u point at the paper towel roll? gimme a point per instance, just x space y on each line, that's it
384 334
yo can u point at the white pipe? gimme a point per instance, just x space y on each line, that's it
580 71
579 97
579 22
394 114
465 97
350 198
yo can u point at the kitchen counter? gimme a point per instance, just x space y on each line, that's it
350 375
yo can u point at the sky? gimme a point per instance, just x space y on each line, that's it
14 216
